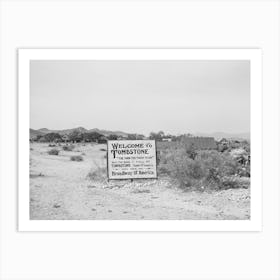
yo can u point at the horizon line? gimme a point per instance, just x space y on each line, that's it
118 130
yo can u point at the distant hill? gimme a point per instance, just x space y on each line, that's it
43 131
34 133
216 135
108 132
220 135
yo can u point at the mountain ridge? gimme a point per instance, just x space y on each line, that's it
43 131
217 135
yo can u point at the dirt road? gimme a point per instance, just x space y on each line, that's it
60 190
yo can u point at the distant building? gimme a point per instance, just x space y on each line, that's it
201 143
166 139
121 137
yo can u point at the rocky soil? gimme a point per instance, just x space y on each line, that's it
60 189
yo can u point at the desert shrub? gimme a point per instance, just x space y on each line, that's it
223 163
68 148
52 145
191 151
141 191
163 169
32 175
76 158
196 169
207 170
233 182
99 174
230 182
54 152
244 171
180 167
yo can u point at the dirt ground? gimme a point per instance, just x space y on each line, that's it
61 190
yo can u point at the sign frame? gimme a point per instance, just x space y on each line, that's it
133 178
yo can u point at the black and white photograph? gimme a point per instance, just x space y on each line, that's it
140 139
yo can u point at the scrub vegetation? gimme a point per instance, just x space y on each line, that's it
212 181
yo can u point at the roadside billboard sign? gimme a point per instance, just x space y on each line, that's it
131 159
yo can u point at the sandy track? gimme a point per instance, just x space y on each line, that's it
60 189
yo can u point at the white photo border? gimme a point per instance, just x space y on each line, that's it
255 58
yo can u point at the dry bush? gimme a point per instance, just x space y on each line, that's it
205 170
68 148
54 152
98 173
141 191
76 158
183 169
32 175
232 182
52 145
222 162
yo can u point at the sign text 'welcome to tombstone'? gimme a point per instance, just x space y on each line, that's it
131 159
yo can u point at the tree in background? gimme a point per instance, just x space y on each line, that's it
157 136
76 136
112 137
91 136
51 137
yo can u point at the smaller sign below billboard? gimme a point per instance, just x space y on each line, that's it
131 159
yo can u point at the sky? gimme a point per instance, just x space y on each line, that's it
185 96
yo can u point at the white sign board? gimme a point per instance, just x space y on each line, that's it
131 159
